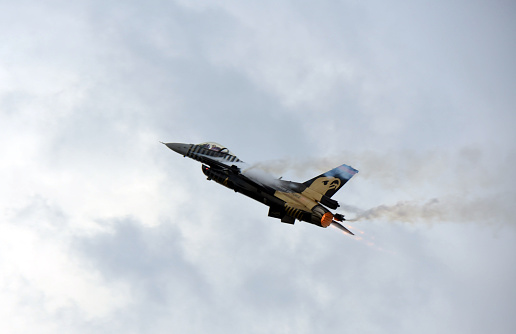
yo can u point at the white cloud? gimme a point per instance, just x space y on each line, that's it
39 270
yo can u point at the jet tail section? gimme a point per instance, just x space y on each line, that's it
329 183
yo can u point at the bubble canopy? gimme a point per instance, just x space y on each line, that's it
215 147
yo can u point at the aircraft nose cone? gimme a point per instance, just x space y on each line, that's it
179 147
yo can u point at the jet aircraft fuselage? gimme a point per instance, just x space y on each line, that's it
288 201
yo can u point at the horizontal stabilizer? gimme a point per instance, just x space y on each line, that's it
341 227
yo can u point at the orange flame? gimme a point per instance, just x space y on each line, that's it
326 219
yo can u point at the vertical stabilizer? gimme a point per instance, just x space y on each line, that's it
330 182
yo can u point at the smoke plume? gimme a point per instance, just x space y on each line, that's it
485 210
438 186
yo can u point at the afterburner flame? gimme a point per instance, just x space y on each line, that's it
326 219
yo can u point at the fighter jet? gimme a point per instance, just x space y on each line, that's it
287 200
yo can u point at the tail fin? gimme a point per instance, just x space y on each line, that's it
330 182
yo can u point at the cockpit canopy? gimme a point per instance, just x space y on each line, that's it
215 147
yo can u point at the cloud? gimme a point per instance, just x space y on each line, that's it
106 230
42 280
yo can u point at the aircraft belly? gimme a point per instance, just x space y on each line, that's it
296 200
256 194
309 193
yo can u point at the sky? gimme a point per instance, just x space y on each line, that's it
105 230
